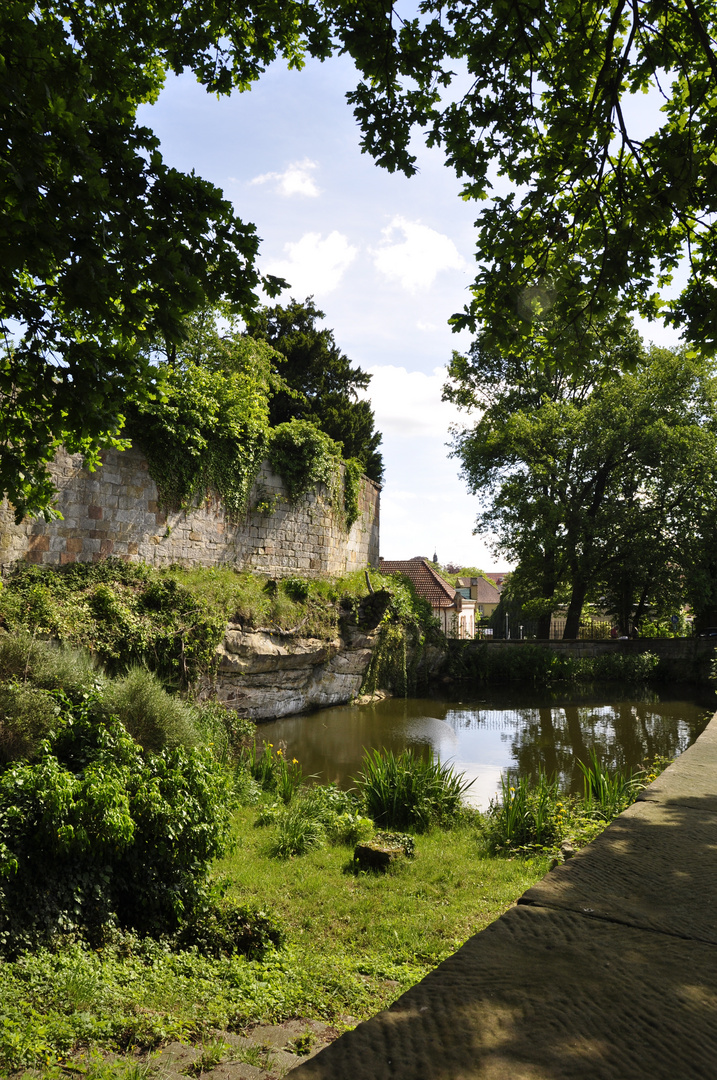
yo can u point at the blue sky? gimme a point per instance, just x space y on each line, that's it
389 260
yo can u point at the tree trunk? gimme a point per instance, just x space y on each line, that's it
575 610
543 628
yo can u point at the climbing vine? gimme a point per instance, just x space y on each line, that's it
208 430
204 430
353 471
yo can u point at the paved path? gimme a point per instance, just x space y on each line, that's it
605 970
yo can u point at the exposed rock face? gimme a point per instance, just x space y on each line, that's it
264 676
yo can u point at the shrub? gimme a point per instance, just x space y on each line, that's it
409 790
27 716
152 716
48 666
227 927
98 833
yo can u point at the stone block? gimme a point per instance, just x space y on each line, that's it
74 543
94 512
67 557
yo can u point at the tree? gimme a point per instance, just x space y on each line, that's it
596 481
104 246
590 208
320 383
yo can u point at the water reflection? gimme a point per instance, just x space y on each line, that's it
505 732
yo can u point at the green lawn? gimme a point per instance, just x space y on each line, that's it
354 944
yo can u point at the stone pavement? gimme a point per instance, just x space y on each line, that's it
605 970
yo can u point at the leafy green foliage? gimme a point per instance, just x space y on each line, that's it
226 927
320 385
594 481
205 430
304 456
589 205
538 665
410 790
112 247
95 833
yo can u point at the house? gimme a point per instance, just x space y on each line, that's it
485 593
498 577
455 612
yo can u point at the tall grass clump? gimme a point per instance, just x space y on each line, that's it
537 816
154 718
48 665
408 790
526 815
605 793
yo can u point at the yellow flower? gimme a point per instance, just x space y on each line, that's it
279 751
295 761
271 745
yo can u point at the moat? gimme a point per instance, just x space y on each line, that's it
489 732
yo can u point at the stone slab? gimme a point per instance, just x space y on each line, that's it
655 867
691 780
545 995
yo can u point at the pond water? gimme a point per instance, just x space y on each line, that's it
505 731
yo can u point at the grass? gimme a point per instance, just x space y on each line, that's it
354 944
410 790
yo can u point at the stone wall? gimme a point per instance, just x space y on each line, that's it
114 512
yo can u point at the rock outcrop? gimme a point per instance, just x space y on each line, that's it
266 675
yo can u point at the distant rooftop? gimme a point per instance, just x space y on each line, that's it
427 582
498 576
487 592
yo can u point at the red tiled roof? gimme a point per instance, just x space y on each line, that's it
426 581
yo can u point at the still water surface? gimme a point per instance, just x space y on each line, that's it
502 731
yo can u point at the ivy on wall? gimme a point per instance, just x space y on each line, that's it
208 429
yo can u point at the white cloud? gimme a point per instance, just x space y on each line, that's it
416 261
408 403
314 265
296 180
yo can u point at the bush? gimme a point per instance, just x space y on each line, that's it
408 790
154 718
27 716
304 456
226 928
98 833
48 666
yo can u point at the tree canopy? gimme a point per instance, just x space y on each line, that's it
534 103
599 487
320 383
105 246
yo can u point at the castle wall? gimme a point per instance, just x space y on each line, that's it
113 512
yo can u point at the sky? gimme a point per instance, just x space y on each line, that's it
387 258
